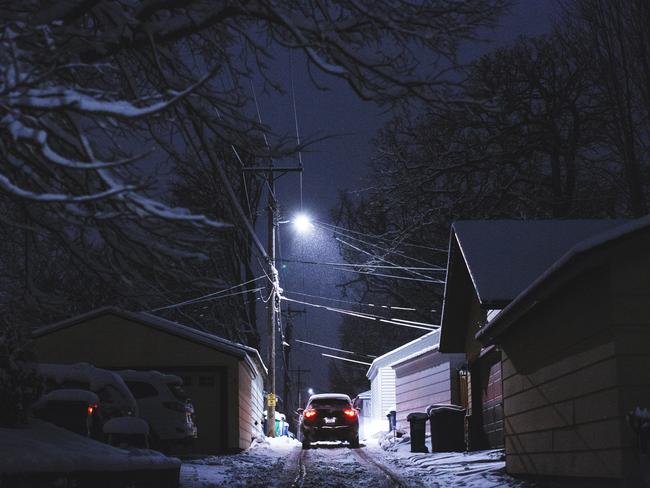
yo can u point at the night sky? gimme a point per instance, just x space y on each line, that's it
339 164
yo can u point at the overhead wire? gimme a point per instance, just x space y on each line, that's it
397 266
388 307
207 296
333 348
364 315
438 249
383 249
342 267
345 359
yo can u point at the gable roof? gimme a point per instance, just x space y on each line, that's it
492 261
424 342
582 255
179 330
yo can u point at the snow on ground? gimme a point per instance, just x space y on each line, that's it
41 447
480 469
261 465
269 463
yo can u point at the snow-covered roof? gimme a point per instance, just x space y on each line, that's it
150 376
492 261
427 340
173 328
68 395
549 277
504 256
416 354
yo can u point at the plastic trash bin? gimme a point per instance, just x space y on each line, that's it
418 424
392 420
447 427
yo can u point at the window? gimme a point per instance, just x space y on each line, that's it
206 380
141 389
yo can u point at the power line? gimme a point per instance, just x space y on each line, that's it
397 266
193 300
437 249
383 275
366 265
218 297
388 307
345 359
363 315
334 348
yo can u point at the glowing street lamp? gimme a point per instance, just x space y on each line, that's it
302 223
310 391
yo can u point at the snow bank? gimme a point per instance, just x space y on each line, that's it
42 447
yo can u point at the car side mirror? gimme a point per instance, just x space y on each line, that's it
300 410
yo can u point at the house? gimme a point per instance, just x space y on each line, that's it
223 378
387 395
425 377
576 359
489 264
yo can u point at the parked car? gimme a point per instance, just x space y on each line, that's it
329 417
73 410
163 403
115 399
127 432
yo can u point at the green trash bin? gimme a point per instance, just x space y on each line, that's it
418 425
447 427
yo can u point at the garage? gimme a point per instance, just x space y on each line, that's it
224 379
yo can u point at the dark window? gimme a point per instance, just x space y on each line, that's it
141 389
206 380
330 403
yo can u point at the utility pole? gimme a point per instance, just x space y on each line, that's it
272 223
286 350
273 305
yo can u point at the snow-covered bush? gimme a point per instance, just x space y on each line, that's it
20 385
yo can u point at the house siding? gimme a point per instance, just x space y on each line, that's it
561 387
114 342
251 405
425 380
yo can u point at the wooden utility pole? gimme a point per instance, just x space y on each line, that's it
273 304
272 223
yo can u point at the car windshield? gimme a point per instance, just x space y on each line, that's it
329 403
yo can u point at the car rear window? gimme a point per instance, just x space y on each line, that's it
329 403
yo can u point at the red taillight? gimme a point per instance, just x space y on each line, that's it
309 413
91 409
350 412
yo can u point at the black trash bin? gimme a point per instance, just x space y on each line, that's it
418 424
447 427
392 420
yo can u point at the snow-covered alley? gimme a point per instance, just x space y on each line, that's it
282 463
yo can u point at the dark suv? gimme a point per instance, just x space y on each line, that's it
329 417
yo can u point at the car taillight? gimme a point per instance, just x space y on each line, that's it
350 413
91 409
309 413
179 407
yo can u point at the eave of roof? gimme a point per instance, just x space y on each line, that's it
576 259
405 349
204 338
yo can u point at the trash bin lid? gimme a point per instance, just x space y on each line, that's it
444 407
417 416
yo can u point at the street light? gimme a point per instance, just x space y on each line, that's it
302 223
310 391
